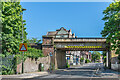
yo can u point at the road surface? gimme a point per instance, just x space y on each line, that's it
90 71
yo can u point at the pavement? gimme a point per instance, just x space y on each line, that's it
26 75
90 71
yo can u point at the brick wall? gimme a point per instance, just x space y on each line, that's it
114 57
36 45
114 60
115 67
32 65
47 45
47 49
47 40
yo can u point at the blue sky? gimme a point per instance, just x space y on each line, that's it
84 18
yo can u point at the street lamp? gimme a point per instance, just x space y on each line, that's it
22 39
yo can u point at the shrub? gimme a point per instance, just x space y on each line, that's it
7 70
67 65
34 53
81 59
87 61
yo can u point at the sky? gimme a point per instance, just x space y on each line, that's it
83 18
66 0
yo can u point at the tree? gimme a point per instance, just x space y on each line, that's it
112 26
95 56
34 40
11 21
104 56
12 27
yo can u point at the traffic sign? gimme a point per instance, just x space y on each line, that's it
23 47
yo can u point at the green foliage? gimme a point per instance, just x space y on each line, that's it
95 56
34 53
7 70
12 27
34 40
112 26
8 65
20 57
87 61
12 35
104 56
11 21
81 59
41 68
67 65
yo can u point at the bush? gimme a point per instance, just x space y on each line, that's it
87 61
34 53
81 59
8 65
7 70
67 65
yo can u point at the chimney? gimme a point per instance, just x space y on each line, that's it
70 30
73 35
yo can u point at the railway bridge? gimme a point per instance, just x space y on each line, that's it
59 46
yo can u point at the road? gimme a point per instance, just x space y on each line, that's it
90 71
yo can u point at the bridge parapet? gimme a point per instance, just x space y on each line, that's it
80 40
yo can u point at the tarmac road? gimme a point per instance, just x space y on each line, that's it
90 71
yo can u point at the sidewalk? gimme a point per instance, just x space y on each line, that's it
25 75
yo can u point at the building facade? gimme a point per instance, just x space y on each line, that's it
73 57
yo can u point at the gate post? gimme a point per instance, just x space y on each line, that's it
107 59
56 66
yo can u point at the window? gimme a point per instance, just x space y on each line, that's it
62 36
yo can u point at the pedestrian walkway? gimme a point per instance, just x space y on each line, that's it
25 75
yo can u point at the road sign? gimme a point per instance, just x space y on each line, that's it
23 47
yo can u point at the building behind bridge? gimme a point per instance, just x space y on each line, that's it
74 56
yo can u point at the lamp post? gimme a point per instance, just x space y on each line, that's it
22 40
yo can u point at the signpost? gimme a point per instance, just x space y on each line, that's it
23 47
